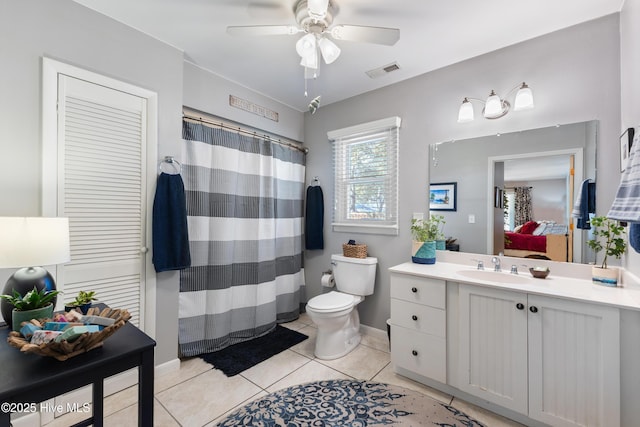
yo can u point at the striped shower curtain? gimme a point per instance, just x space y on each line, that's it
245 217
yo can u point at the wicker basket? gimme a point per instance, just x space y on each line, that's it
354 251
86 342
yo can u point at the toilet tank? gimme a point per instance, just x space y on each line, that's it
355 276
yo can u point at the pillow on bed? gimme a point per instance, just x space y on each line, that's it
529 227
541 229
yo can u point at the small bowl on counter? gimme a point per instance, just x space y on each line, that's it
539 272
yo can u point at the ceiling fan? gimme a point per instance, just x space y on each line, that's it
315 19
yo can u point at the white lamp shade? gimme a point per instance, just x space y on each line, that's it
493 106
524 98
33 242
310 61
465 114
305 45
330 51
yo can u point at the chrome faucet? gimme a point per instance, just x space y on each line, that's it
496 261
480 264
514 269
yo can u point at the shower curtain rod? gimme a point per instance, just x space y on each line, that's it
221 124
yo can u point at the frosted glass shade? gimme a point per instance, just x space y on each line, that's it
305 45
31 242
493 106
307 49
330 51
524 98
465 114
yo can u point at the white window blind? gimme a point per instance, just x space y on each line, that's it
365 161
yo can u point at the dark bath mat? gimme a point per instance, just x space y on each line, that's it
242 356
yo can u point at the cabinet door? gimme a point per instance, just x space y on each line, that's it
493 345
574 363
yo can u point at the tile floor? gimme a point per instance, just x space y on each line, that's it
197 395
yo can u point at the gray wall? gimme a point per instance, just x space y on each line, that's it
207 92
575 76
68 32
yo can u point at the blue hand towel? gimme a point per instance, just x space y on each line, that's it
314 221
585 204
634 236
170 234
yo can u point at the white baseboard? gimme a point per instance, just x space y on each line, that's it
170 366
373 332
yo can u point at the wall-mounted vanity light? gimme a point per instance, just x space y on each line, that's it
496 107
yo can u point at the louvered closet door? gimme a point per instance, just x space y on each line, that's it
101 188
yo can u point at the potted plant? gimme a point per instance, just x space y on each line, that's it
608 235
35 304
425 234
82 301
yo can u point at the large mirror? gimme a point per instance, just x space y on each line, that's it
501 179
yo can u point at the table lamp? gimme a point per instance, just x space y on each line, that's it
27 244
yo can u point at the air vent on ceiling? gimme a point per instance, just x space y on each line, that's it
386 69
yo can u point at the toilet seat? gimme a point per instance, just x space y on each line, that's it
331 302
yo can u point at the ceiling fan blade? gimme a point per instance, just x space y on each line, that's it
357 33
263 30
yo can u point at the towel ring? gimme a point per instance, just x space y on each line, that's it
170 161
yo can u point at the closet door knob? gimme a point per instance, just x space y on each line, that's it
533 309
414 290
414 317
520 306
414 352
144 249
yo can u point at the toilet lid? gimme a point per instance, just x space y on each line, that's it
332 301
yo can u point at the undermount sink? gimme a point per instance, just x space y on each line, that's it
494 276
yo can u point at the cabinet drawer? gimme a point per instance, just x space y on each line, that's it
418 317
421 290
423 354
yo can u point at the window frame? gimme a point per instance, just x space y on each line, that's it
342 139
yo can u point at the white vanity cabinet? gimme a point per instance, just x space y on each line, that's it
418 325
554 360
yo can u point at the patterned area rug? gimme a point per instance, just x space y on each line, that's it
342 403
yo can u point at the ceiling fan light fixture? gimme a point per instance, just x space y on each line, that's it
306 45
524 98
310 60
329 50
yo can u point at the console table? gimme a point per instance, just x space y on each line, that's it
29 378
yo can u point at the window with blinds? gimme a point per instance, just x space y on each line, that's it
365 162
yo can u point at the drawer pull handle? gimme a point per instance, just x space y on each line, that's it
414 317
533 309
414 352
520 306
414 290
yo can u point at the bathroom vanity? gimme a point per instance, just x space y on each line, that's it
559 351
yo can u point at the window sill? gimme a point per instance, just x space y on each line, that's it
387 230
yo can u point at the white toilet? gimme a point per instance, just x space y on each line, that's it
336 313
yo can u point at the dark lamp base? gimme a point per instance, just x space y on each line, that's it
23 281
